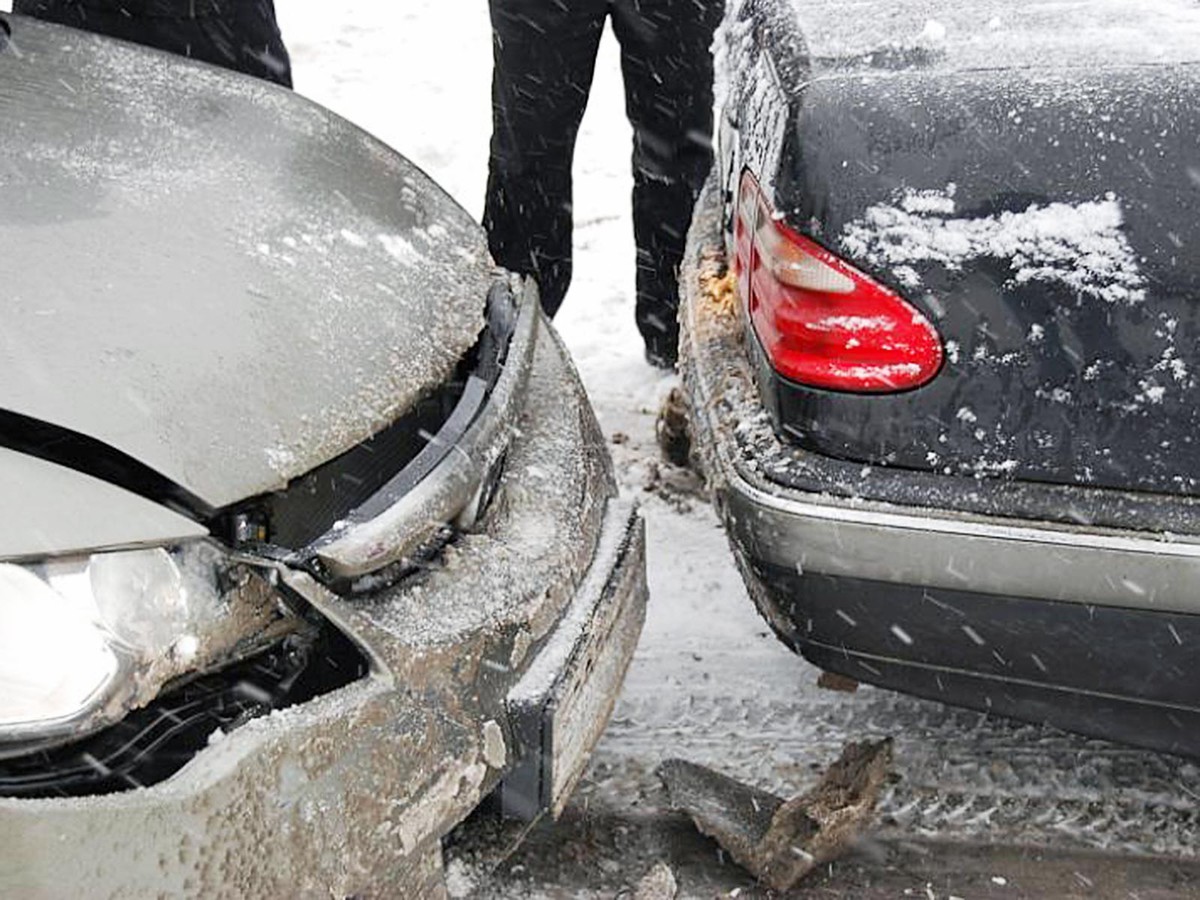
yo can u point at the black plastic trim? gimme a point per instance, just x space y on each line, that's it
1108 672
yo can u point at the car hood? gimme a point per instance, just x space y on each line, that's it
210 274
51 510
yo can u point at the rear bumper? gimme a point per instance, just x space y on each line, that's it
350 793
974 609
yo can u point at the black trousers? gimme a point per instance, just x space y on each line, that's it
545 54
237 34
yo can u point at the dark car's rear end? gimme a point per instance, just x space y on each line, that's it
947 399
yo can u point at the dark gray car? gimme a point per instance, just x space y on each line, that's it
311 542
941 343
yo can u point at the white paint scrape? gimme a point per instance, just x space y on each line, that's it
1079 246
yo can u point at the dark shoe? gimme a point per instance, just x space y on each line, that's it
662 356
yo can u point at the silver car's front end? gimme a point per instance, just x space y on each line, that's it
501 658
311 538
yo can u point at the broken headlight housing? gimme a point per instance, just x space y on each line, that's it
85 640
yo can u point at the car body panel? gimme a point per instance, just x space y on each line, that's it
1025 175
298 253
263 362
1115 674
1051 254
52 510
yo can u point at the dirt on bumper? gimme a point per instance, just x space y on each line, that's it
350 793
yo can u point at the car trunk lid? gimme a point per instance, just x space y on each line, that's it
1040 216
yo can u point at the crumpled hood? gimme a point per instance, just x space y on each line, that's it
211 274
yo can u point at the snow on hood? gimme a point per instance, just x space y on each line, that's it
210 273
995 34
1079 246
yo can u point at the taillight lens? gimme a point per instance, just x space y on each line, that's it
821 321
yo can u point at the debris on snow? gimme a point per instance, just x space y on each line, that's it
673 430
657 884
832 681
460 880
478 848
777 841
676 487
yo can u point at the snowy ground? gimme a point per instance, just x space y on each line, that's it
709 683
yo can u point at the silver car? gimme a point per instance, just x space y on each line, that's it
311 540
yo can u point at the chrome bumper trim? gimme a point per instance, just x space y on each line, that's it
448 491
940 552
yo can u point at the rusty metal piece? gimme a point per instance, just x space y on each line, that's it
779 842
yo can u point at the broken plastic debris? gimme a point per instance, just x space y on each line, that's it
657 884
777 841
673 429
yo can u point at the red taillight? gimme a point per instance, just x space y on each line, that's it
822 322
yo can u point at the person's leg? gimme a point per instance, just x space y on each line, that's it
668 69
246 37
545 54
242 36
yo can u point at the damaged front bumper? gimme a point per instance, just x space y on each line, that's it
496 665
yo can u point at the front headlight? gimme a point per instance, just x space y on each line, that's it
85 640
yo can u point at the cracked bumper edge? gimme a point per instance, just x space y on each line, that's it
562 704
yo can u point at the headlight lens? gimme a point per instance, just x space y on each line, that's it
85 640
54 657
